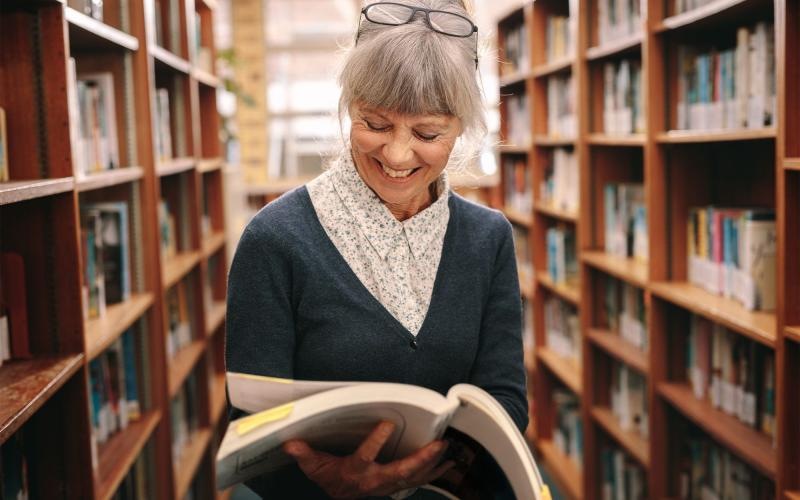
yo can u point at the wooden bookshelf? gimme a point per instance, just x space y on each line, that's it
564 469
42 218
793 333
632 442
553 67
518 217
566 370
623 45
619 349
791 163
568 292
628 270
690 136
617 140
555 212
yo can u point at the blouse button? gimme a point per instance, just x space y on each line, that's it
413 344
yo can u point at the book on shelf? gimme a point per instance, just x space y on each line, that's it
561 182
568 428
211 274
523 253
518 187
105 253
527 326
617 19
14 341
518 120
178 96
561 121
337 416
138 482
622 477
625 221
732 252
733 373
559 38
113 381
629 399
731 86
707 471
184 417
623 111
162 123
516 50
179 323
167 230
625 312
204 59
562 261
14 477
92 8
93 121
4 168
562 329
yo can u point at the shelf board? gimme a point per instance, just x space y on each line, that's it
629 270
696 136
749 444
620 46
564 369
631 441
26 385
557 213
757 325
792 495
17 191
720 11
212 243
85 32
206 78
793 333
553 140
620 349
102 332
564 469
215 317
570 293
191 456
519 218
553 67
209 4
116 456
175 166
601 139
207 165
170 60
182 363
108 178
217 397
529 359
515 78
514 149
791 163
175 268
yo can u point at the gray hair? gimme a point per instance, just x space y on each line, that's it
414 70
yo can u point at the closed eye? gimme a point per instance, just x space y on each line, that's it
427 137
375 127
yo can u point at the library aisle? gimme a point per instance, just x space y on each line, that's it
646 154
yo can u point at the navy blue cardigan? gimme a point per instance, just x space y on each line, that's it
297 310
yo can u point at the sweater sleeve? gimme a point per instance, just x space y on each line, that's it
499 367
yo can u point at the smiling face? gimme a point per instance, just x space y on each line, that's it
398 156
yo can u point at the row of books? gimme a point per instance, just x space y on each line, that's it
162 122
623 111
523 253
562 256
93 120
93 8
568 428
561 121
733 373
625 224
179 323
14 343
559 43
561 181
629 399
518 120
14 480
562 329
516 49
184 417
708 472
518 188
203 55
169 38
617 19
137 483
732 252
622 477
626 312
167 230
105 252
728 87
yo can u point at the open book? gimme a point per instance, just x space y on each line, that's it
490 453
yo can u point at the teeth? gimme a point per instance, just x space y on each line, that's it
396 173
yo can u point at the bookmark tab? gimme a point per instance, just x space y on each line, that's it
256 420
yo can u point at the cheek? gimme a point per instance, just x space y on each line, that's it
365 141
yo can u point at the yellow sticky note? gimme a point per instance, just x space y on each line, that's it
262 377
256 420
546 492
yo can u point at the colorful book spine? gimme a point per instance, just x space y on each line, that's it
560 186
562 329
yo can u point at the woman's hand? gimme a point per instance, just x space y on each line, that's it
358 475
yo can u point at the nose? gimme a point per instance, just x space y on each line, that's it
398 151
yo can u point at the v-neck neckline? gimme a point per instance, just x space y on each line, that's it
376 304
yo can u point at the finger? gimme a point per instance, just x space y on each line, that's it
308 459
368 451
436 473
297 448
422 459
429 464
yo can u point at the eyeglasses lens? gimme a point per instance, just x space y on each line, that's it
388 13
450 24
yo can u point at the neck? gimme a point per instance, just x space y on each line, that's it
404 211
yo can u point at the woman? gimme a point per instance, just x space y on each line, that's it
375 271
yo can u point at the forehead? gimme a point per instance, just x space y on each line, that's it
411 119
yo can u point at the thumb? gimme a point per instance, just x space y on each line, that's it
297 449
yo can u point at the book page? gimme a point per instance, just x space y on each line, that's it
255 393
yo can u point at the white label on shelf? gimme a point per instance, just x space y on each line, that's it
728 397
